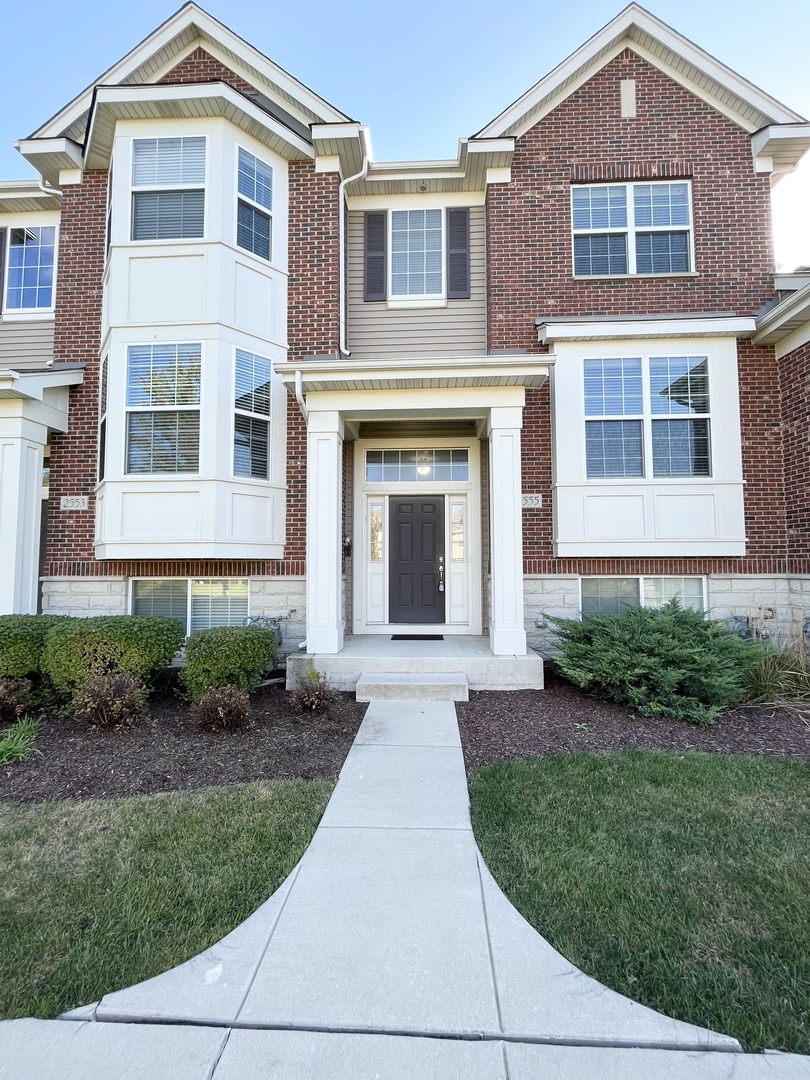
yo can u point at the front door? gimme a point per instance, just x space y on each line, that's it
416 577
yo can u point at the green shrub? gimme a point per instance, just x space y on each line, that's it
77 651
109 701
313 692
22 640
221 708
16 742
661 662
227 656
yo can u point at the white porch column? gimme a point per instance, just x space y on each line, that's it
324 532
507 634
22 442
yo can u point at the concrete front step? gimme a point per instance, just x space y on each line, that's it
409 686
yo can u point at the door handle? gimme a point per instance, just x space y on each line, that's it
441 573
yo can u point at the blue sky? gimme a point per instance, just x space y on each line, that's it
420 83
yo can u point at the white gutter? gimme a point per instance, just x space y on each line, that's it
299 395
342 237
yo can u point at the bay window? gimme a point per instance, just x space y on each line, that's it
253 205
251 437
163 408
168 188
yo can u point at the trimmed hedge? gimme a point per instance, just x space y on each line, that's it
22 641
668 661
78 650
227 656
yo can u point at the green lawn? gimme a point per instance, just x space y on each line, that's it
680 880
97 895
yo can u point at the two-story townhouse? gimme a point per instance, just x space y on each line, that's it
439 399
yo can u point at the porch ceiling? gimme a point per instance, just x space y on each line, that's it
415 373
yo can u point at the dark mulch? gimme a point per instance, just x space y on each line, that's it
166 753
562 719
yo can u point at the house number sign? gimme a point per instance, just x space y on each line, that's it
73 502
532 500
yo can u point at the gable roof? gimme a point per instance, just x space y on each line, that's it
188 29
686 63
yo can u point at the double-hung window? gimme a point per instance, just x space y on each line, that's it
416 255
251 428
163 408
30 274
168 188
254 204
632 229
647 417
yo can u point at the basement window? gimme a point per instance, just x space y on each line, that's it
612 595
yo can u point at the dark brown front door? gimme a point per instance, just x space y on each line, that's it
415 587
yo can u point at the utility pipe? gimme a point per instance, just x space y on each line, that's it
342 236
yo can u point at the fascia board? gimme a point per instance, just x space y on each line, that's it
189 16
32 385
415 370
607 330
110 97
606 44
782 319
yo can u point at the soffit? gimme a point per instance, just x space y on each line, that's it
26 196
420 373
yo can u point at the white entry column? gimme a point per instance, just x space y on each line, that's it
507 634
324 532
22 443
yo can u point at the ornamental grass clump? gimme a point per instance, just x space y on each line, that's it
663 662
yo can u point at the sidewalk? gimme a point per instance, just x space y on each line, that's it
389 952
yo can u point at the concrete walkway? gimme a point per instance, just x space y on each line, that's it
389 952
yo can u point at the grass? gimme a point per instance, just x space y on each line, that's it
15 744
95 896
680 880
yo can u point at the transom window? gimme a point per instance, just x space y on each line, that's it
31 261
254 204
419 466
416 253
168 181
631 229
251 434
611 595
163 408
198 603
653 417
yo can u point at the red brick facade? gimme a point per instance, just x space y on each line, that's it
795 386
200 67
530 275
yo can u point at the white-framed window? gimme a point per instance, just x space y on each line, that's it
417 254
102 417
168 188
417 466
251 424
163 408
638 228
30 261
254 205
612 595
647 416
198 603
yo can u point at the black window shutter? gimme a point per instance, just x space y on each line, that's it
374 255
458 254
2 266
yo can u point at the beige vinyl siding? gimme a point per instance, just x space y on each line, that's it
459 329
26 344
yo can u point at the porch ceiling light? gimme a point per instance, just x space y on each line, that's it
423 470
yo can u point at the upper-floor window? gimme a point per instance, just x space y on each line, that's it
429 254
647 416
251 429
163 408
31 259
632 229
254 204
168 188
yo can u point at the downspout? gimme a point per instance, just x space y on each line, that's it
342 238
299 396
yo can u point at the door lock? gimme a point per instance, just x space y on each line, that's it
441 573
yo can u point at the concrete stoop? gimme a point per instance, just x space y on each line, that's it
412 687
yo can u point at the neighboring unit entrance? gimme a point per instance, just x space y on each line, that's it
417 545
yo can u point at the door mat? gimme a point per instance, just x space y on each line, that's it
417 637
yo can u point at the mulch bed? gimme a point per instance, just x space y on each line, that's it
562 719
166 753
